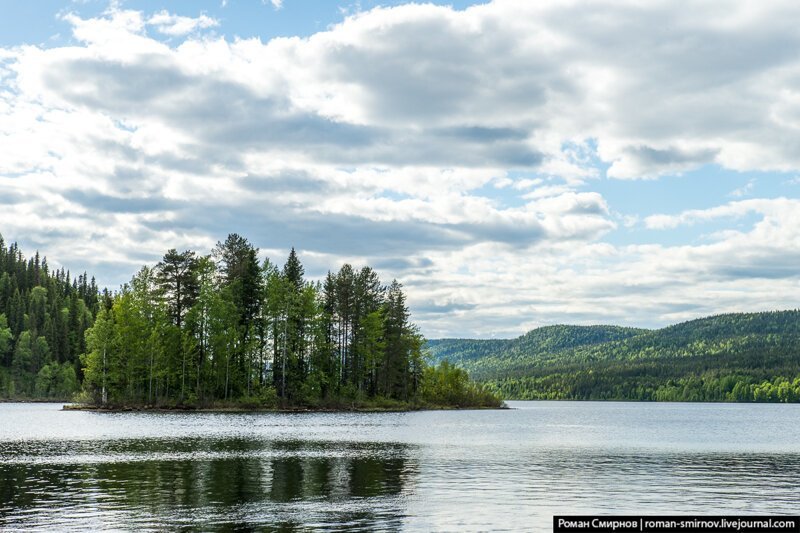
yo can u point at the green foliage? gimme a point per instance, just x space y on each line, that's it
56 381
446 384
6 338
43 317
465 352
733 357
485 359
177 281
30 355
223 330
7 387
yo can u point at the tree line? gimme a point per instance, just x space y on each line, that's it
44 315
703 387
223 328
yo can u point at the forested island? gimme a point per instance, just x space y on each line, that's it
740 357
222 330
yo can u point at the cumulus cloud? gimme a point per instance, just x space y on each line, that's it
639 285
456 149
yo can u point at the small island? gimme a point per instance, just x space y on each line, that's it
222 331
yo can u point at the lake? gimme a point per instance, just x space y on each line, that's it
423 471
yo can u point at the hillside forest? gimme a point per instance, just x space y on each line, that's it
741 357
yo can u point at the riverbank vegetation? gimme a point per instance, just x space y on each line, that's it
743 357
218 330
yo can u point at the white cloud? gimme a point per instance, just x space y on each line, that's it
733 209
377 141
640 285
176 25
744 190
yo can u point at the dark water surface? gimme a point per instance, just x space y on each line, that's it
429 471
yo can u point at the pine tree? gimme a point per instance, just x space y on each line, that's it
177 279
294 271
396 331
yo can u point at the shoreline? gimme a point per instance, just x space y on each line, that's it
33 400
296 410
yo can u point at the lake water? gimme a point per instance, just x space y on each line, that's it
425 471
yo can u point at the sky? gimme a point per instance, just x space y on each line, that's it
514 164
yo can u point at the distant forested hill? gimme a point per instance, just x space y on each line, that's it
732 357
487 359
466 352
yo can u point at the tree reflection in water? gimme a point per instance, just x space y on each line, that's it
219 484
